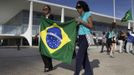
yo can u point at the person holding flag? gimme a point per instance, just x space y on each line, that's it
47 60
57 40
85 25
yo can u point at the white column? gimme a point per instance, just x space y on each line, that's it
28 33
0 29
114 10
62 15
133 25
132 7
129 25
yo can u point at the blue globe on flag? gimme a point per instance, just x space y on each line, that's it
53 37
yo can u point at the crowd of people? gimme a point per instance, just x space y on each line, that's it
124 40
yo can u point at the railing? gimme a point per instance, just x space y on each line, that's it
18 29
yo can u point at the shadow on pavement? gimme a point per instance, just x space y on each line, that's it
66 66
94 64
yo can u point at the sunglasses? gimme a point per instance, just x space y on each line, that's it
45 9
78 7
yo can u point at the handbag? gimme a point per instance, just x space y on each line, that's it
89 39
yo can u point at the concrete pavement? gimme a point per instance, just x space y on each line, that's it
27 61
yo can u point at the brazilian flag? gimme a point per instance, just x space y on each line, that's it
128 16
57 40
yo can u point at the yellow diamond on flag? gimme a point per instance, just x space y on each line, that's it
54 38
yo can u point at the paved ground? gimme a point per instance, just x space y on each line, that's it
27 61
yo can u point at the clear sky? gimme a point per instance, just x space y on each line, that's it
100 6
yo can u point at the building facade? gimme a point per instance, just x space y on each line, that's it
19 23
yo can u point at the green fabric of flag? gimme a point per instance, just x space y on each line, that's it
128 16
57 40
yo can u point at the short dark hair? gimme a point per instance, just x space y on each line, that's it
84 5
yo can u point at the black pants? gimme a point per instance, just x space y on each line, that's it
102 48
82 57
47 61
109 43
